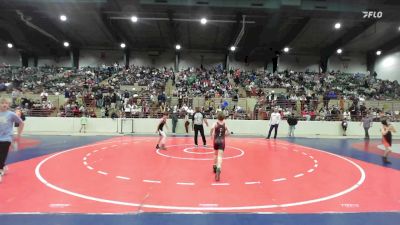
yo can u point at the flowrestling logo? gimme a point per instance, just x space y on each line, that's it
372 14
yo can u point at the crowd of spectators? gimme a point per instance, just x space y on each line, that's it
199 82
100 91
332 85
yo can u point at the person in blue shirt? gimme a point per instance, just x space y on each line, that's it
7 121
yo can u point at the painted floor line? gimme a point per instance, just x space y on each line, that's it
299 175
152 181
185 183
279 179
252 182
220 184
102 172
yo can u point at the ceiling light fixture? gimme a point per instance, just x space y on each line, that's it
286 49
63 18
134 19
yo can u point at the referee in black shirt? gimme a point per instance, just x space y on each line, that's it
197 125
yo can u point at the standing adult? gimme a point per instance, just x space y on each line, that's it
197 125
292 121
274 122
7 121
366 122
174 120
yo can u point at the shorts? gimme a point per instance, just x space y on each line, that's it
386 143
162 133
219 144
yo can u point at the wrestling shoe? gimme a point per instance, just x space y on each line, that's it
217 174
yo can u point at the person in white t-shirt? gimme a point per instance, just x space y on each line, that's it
274 123
44 96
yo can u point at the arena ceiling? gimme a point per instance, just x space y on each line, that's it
34 27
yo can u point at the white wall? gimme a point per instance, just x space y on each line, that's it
298 63
348 64
148 126
10 57
388 66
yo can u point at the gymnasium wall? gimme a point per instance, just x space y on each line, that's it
100 57
348 64
208 60
387 66
153 58
10 57
233 64
56 125
55 61
298 63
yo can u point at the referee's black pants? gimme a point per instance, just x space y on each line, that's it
198 128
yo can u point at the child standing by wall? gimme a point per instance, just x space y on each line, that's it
84 121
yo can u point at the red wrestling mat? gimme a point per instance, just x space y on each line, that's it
258 175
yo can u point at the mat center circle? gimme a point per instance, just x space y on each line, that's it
200 150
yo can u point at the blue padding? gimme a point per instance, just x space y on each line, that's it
391 218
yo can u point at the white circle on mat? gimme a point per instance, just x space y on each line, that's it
200 150
162 153
196 208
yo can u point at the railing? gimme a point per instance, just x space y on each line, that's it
245 108
40 112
